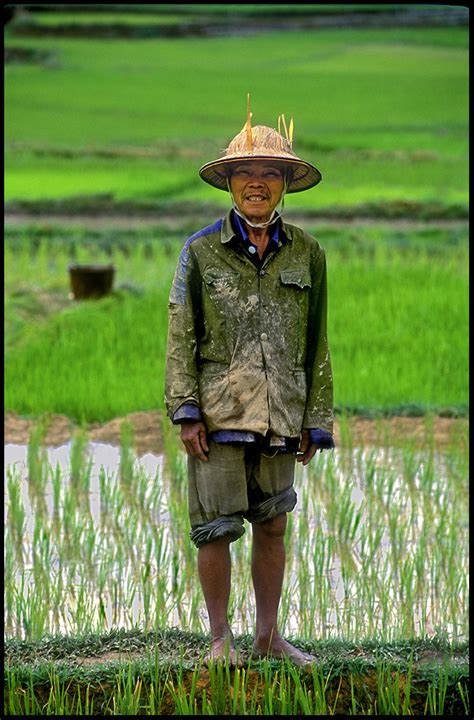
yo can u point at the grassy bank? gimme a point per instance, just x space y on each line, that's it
165 677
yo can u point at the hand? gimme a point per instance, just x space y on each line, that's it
194 438
306 448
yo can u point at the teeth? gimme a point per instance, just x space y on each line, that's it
256 197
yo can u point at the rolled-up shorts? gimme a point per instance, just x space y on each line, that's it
238 482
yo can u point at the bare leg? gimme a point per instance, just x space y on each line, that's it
214 574
268 568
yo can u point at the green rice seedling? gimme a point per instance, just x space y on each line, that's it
56 481
355 154
16 513
87 572
9 583
86 706
43 370
37 468
43 557
310 701
58 702
81 467
388 691
126 458
83 613
464 694
436 695
185 701
127 698
13 705
113 18
31 610
88 547
269 685
238 692
20 700
160 677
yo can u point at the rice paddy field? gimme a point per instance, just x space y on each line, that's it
103 611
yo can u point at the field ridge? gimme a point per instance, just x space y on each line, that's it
106 205
212 24
160 662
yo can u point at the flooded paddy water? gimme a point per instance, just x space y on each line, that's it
97 538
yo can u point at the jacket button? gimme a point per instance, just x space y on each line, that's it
262 273
264 337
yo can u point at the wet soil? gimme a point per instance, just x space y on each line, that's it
148 431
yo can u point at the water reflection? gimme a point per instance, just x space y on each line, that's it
147 570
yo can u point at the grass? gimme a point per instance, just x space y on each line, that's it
385 290
371 119
156 683
131 18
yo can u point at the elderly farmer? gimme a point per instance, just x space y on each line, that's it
249 374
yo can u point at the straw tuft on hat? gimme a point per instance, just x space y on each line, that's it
262 143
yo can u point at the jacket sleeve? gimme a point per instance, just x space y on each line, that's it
319 411
181 386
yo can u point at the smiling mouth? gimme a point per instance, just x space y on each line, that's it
256 198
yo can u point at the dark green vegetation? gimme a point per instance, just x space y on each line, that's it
159 673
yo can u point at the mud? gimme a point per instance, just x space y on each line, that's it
147 430
148 433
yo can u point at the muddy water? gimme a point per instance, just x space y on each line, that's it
101 455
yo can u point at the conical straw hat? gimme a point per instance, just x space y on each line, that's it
262 143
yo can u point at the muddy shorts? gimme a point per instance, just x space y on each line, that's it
238 482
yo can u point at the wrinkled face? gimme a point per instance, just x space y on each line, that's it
257 187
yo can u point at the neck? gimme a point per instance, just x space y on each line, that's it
257 225
257 235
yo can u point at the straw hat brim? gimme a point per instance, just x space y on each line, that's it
305 175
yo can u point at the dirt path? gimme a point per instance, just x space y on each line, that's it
148 434
174 221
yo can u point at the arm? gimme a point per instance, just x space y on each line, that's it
319 419
181 386
319 411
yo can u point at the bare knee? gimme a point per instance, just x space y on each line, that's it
274 528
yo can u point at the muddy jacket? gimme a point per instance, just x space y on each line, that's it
248 345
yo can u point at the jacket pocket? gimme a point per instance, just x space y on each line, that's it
299 278
221 282
220 304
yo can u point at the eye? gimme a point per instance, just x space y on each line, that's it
272 174
242 173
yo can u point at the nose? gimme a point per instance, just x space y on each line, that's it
256 180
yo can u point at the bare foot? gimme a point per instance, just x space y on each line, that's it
279 648
223 650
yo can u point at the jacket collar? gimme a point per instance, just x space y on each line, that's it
228 232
